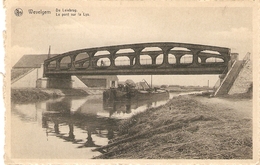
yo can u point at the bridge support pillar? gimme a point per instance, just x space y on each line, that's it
60 82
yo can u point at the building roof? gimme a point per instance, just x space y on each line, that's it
32 61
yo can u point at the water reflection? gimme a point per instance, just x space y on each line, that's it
130 107
92 124
84 123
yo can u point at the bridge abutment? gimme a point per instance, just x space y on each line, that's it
234 67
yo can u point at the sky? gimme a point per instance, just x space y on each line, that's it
107 26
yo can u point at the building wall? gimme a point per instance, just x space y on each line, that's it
243 81
28 81
40 71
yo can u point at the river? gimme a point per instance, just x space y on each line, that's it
69 127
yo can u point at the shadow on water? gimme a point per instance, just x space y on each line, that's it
85 122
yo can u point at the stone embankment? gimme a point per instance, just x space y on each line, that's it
244 80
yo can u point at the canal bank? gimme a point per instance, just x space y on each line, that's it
25 95
187 127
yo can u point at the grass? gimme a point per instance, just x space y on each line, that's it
184 128
26 95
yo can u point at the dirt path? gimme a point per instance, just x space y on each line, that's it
243 107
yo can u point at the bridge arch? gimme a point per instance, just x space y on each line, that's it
214 60
102 53
125 51
65 62
103 62
153 53
172 59
209 57
186 59
160 57
210 52
122 61
180 49
52 65
152 49
82 60
145 59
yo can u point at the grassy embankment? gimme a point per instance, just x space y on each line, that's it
186 88
25 95
184 128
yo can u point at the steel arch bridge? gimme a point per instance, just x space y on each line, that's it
158 58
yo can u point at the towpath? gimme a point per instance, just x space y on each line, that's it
243 107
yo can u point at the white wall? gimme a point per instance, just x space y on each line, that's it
28 81
40 71
77 83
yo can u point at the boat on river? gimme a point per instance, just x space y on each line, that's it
116 94
130 92
148 94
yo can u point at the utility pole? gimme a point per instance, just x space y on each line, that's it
151 81
49 53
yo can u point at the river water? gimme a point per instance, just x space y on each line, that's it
69 127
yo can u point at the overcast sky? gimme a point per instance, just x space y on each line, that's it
218 26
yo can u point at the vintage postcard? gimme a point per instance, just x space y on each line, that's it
131 82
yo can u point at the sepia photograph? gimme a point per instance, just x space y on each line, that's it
131 82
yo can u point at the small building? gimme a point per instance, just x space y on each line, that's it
28 73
